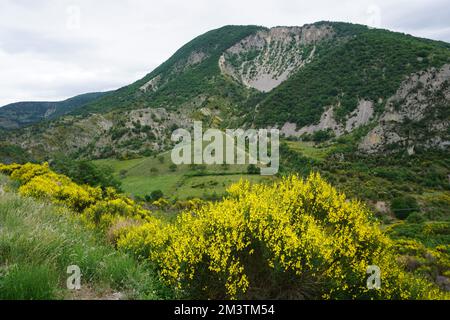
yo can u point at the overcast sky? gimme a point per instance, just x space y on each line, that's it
55 49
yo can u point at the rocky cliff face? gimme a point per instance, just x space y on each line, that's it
361 116
264 60
418 115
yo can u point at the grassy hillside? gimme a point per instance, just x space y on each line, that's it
374 179
38 241
11 153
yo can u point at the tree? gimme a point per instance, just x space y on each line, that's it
323 135
252 169
86 172
154 196
404 206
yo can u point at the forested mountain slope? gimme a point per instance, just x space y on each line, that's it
326 78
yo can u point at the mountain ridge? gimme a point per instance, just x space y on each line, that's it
20 114
350 71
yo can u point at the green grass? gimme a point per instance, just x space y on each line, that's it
140 177
38 241
310 149
204 186
431 234
141 186
29 282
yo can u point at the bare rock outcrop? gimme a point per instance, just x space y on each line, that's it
362 115
417 115
265 59
152 85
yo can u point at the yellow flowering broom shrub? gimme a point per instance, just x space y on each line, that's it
9 168
61 189
294 239
107 212
189 204
161 203
99 208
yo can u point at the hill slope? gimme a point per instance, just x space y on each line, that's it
39 241
327 77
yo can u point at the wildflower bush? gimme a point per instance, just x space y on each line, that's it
8 169
25 173
295 239
161 203
62 190
419 259
105 213
190 204
98 208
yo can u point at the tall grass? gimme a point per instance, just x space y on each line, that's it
38 241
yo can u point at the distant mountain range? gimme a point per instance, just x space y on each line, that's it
390 91
21 114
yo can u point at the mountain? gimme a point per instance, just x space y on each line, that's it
326 79
21 114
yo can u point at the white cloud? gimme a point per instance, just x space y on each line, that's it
54 49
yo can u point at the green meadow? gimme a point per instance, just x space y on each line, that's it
142 176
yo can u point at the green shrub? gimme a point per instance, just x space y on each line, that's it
154 196
322 135
252 169
402 207
85 172
415 217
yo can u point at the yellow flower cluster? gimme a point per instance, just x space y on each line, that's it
8 169
104 213
301 228
189 204
97 207
161 203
